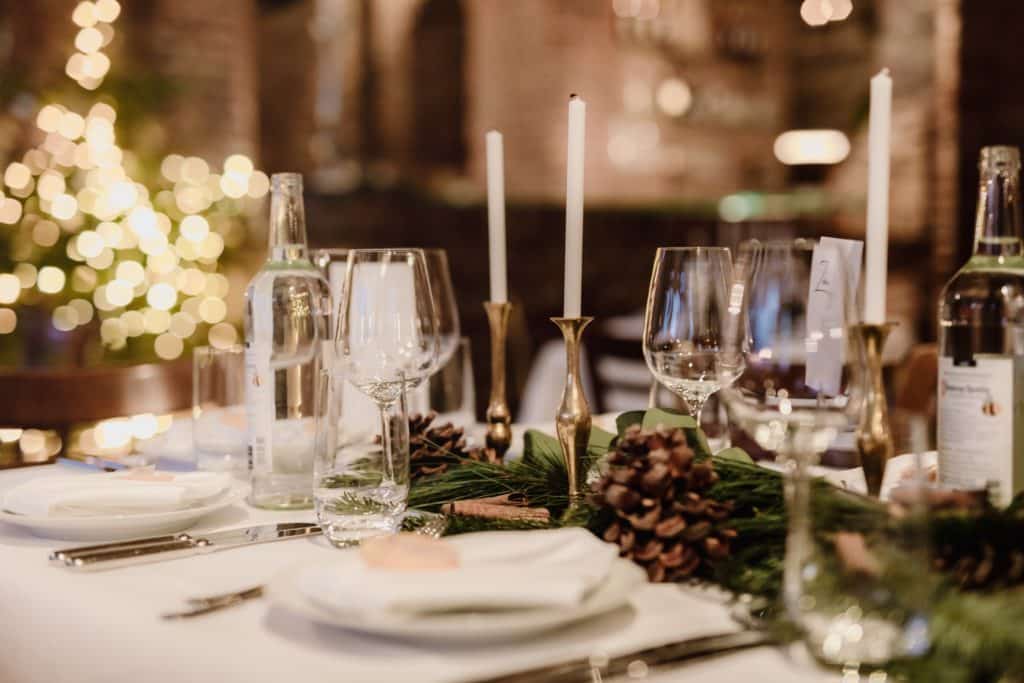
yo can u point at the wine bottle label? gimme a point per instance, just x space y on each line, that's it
980 411
259 380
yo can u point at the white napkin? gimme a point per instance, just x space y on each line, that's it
497 570
122 493
898 471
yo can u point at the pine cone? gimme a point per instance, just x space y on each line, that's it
663 521
432 450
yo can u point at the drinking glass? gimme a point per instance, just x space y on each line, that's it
686 306
219 422
387 339
361 477
792 307
448 327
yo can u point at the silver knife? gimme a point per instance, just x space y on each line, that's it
61 557
596 669
182 545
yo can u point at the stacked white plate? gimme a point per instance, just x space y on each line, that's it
506 585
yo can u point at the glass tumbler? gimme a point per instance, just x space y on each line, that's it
219 422
359 492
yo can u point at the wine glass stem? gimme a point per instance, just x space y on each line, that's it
696 407
386 440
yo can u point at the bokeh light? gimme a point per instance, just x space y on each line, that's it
10 288
8 321
50 280
222 335
168 347
133 248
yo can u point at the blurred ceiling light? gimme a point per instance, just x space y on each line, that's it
636 95
816 12
637 9
841 9
737 207
632 142
626 9
649 9
674 97
797 147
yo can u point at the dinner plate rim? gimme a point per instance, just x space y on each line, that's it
235 494
624 576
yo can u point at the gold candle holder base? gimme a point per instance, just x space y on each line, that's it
573 419
499 419
874 437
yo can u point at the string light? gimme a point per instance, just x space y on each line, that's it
26 274
222 335
50 280
75 193
10 288
168 347
8 321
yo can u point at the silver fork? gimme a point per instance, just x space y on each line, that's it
213 603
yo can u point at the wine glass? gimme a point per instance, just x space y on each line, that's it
792 310
686 305
448 329
387 338
788 320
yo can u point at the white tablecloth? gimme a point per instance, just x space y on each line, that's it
57 626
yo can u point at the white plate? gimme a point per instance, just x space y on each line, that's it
120 527
623 578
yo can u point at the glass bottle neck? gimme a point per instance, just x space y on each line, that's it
287 239
997 225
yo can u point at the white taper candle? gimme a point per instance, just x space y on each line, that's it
496 216
877 246
574 208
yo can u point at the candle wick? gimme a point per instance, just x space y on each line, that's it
573 96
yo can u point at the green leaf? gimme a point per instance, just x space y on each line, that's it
656 417
627 420
600 441
542 450
734 454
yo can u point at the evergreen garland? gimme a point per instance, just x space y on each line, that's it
975 635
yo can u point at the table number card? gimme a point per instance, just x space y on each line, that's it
827 305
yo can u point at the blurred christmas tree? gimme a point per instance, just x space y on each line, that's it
108 252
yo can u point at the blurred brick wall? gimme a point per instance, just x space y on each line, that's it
526 57
212 58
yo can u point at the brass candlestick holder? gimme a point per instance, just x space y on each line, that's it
499 420
874 437
573 419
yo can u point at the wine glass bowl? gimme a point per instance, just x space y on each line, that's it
387 336
781 400
448 327
687 305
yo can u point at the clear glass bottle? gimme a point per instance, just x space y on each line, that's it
286 332
981 343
